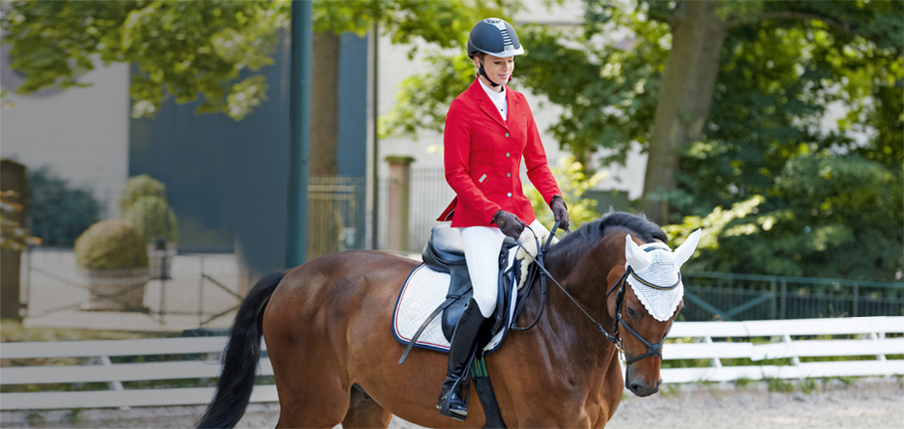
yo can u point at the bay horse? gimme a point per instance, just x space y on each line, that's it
327 322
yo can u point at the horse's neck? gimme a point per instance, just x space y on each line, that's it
585 280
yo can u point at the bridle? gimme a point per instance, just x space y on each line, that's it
653 349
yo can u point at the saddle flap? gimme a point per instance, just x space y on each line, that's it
444 248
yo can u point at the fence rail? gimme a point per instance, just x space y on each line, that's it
722 296
866 354
876 350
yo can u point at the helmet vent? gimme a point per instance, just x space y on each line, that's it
506 39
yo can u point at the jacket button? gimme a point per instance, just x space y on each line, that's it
508 174
506 134
509 194
507 154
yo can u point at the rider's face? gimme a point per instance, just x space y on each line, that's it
497 68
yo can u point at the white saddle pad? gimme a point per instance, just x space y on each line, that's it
424 290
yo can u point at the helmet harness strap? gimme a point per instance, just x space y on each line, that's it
483 73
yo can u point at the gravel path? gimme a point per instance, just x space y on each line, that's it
867 404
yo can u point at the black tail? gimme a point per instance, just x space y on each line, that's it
240 358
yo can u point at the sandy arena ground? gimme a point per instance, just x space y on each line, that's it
867 404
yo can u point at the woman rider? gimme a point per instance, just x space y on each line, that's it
489 128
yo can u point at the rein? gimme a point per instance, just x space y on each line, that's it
541 253
653 349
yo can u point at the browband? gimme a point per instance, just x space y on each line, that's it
646 283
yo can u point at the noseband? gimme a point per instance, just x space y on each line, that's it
653 349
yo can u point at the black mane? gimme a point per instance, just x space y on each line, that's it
588 235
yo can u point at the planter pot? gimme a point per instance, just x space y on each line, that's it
116 290
160 262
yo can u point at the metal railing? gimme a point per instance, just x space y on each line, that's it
724 296
336 219
198 290
429 195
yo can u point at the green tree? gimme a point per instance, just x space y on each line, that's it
199 50
843 30
186 50
727 99
574 184
833 197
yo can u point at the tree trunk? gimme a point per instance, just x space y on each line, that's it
323 227
685 92
324 103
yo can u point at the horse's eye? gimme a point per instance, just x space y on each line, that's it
632 312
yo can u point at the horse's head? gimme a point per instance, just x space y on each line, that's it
645 296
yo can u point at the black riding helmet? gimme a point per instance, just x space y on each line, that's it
495 37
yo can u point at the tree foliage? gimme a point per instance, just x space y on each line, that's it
574 183
797 186
833 191
207 50
13 235
183 49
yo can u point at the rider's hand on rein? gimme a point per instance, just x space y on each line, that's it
509 224
560 211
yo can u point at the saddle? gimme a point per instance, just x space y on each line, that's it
445 253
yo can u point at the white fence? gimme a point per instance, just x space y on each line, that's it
867 351
757 341
203 362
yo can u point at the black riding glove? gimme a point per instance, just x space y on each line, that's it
508 223
560 211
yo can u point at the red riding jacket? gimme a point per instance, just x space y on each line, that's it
482 155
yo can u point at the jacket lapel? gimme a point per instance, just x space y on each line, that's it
514 110
487 105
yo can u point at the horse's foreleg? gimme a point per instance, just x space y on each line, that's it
364 412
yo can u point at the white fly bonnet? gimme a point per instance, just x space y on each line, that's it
657 277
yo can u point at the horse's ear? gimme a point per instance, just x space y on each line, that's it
636 257
686 249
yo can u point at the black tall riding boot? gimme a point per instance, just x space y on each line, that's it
464 344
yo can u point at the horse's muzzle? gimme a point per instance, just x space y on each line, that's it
638 386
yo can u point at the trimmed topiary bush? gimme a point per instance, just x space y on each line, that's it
109 245
141 186
153 218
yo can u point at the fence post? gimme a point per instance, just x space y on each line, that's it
399 190
201 294
783 308
772 288
856 300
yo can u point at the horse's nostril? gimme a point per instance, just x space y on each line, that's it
635 387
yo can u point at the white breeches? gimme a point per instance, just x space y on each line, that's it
482 246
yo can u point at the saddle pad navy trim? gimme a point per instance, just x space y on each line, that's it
442 346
